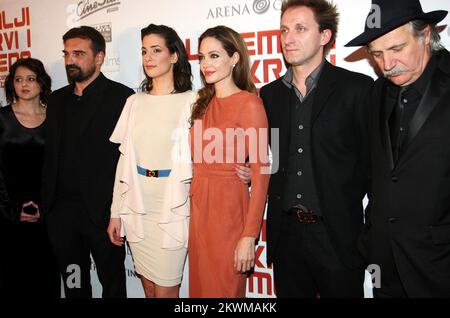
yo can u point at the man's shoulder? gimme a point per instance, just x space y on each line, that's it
380 83
118 87
443 59
273 86
63 91
346 75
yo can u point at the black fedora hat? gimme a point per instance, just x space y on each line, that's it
393 13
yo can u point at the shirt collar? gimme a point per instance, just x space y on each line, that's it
93 87
310 81
422 82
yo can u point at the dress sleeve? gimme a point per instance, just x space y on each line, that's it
119 136
117 195
255 118
9 209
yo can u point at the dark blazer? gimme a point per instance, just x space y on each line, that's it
340 155
97 155
410 202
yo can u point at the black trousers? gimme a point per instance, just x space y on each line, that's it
307 266
74 238
390 284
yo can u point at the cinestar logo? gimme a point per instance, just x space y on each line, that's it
252 7
87 7
105 29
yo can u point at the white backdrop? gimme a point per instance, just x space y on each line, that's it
35 28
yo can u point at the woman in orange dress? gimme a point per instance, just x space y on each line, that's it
229 127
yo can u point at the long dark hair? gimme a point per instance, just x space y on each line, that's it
182 74
232 42
36 66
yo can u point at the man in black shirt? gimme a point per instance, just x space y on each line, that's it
315 207
79 168
407 233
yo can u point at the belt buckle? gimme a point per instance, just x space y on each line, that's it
304 215
151 173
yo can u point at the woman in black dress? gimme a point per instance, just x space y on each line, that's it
27 268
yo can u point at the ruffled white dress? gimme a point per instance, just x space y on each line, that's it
153 133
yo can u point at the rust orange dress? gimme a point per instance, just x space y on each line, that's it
222 210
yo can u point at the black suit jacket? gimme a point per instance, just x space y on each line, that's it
410 203
340 155
96 154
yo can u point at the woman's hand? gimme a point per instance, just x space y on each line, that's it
114 231
30 218
244 172
244 254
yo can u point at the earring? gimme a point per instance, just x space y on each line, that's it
234 65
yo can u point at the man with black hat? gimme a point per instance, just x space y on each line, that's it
407 231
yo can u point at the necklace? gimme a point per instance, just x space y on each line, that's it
174 91
17 109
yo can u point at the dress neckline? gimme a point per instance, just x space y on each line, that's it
167 95
20 123
230 96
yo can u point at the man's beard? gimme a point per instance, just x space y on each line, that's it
76 74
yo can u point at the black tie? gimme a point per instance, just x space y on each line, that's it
395 123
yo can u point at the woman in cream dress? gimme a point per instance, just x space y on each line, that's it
150 202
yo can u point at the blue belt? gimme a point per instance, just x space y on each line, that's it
153 173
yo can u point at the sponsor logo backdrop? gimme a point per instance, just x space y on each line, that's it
35 28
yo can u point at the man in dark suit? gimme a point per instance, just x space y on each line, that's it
79 168
408 225
315 207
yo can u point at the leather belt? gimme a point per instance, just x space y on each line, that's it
153 173
304 215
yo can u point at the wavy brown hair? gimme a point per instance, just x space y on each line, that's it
232 42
